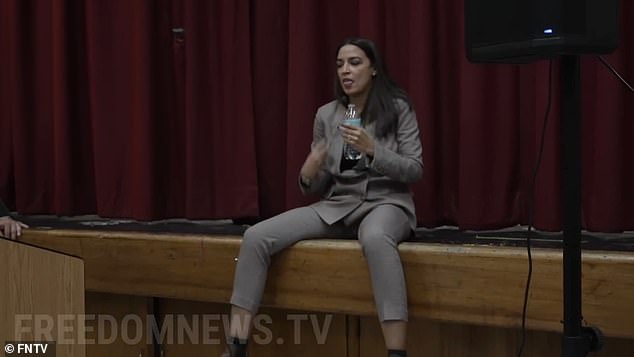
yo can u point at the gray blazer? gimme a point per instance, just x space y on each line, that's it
351 194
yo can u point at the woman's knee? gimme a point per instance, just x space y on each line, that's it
254 239
383 228
376 238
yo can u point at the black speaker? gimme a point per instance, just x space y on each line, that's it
520 31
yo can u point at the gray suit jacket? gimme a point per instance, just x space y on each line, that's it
351 194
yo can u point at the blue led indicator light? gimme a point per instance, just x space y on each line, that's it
548 31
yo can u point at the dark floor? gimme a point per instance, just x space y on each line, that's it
513 236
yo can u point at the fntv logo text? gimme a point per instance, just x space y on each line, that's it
29 349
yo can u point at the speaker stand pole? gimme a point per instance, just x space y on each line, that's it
577 341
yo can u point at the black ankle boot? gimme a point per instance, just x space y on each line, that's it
237 347
396 353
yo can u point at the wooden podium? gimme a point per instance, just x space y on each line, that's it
41 297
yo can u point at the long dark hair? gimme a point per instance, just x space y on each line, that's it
381 102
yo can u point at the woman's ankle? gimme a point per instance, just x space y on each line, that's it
237 347
396 353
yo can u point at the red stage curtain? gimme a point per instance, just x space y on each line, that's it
116 115
105 110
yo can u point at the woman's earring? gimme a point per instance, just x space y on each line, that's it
374 74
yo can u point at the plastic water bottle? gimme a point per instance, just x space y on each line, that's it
352 119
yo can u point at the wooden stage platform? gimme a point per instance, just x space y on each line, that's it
465 299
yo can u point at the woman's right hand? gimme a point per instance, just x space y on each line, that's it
10 228
314 160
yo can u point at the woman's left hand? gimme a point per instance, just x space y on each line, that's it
358 138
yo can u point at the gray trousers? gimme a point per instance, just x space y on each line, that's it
379 233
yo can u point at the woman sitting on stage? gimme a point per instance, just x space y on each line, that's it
366 197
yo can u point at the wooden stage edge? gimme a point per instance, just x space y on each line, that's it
479 285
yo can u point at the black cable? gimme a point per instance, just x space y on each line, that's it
531 206
532 190
616 73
